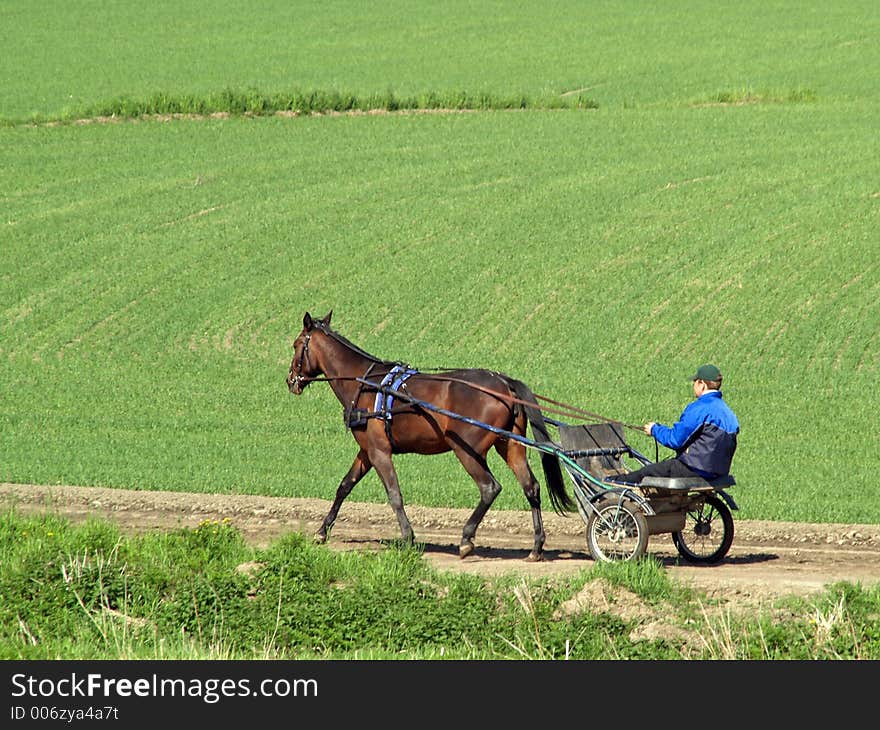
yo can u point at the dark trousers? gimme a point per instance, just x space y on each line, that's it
667 468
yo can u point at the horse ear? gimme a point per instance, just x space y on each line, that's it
327 318
307 321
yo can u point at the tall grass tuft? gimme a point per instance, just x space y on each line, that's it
734 97
314 101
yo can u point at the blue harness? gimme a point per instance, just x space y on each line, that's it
395 379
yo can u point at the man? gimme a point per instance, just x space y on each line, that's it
704 438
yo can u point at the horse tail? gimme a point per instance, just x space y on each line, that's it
559 498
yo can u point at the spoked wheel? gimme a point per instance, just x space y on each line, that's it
617 530
707 533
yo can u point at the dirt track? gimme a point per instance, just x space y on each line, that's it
767 560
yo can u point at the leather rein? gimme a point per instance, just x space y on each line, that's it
564 409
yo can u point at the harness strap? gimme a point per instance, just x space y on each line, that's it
353 415
394 380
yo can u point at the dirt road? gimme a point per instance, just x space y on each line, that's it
767 560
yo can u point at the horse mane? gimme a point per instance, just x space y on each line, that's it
333 334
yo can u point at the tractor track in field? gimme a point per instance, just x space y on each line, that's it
768 560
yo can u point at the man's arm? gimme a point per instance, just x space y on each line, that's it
676 436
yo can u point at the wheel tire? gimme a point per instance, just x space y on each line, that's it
701 541
616 530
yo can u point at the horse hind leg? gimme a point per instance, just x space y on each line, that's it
475 465
514 454
358 469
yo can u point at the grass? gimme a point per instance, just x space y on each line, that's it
62 58
155 276
750 96
203 594
255 103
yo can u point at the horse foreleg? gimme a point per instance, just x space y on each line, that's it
360 467
489 487
516 458
388 474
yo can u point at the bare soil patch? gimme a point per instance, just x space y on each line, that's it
768 560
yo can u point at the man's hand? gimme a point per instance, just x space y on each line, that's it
647 427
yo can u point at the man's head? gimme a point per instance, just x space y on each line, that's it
707 377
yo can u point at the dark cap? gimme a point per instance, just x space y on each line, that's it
707 372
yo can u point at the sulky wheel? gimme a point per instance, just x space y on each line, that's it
707 533
616 530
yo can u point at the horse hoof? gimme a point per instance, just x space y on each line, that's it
319 538
465 549
535 557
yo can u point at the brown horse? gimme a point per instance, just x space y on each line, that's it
382 429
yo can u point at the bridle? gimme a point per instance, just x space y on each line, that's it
298 378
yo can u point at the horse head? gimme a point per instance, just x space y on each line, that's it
304 366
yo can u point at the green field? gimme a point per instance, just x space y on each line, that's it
63 56
720 204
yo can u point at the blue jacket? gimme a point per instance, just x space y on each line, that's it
704 438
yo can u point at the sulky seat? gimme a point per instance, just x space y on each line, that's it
688 484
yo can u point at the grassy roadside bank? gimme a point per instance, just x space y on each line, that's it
88 592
